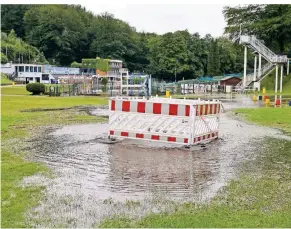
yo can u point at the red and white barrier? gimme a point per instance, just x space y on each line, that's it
161 119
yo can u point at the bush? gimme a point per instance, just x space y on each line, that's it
76 65
35 88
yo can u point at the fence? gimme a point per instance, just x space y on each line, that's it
178 121
70 89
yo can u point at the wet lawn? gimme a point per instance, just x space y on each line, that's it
15 127
260 197
268 116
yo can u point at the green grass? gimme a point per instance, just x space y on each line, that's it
260 197
4 79
14 90
15 200
269 83
15 126
268 116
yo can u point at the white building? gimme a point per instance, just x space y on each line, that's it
28 73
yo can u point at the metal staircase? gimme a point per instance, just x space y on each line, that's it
253 43
265 70
257 46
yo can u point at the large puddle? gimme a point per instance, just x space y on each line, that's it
93 180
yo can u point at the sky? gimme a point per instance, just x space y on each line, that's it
163 18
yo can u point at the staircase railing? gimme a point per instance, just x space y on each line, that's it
259 74
258 46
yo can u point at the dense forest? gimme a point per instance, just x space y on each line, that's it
67 33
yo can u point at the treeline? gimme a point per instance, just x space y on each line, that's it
68 33
16 50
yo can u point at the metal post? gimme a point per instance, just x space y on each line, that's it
255 68
276 82
175 74
121 85
260 65
288 66
150 85
127 85
184 86
281 79
245 67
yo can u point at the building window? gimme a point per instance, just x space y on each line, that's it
21 68
35 69
39 69
31 69
44 77
26 68
31 78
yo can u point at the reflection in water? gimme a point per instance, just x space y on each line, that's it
177 173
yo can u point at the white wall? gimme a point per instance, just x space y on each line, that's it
7 68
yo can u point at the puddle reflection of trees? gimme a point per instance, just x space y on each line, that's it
174 171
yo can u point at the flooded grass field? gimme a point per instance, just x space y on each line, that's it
82 182
93 181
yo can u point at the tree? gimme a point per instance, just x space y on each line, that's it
169 55
19 51
104 82
12 18
4 59
113 39
271 23
56 30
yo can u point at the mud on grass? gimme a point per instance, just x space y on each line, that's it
260 197
16 127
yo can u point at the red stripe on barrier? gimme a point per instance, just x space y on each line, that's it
201 109
126 106
187 110
209 135
218 108
140 135
206 109
111 132
213 134
113 105
198 139
124 134
214 110
171 139
173 109
155 137
141 107
185 140
157 108
203 138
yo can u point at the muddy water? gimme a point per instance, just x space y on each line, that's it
93 180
